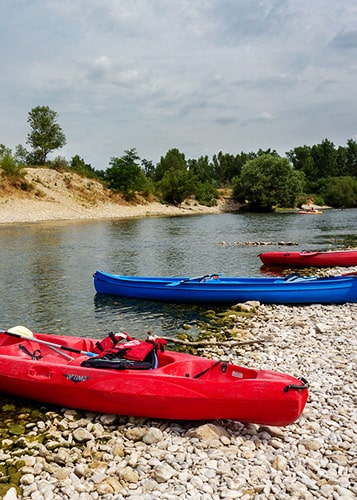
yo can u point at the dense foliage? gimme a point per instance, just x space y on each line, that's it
125 174
262 180
268 181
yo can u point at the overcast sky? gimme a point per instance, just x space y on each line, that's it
202 76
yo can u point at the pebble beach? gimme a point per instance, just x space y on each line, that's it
87 456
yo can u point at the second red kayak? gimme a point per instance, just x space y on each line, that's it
338 258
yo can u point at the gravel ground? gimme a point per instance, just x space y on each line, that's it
93 456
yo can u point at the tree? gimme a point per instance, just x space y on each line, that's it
351 157
341 161
325 159
8 163
175 186
21 154
125 174
226 166
173 160
268 181
4 150
340 191
202 169
302 160
148 167
223 165
45 135
79 166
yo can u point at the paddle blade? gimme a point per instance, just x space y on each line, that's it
174 283
21 330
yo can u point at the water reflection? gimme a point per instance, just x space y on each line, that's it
46 269
140 316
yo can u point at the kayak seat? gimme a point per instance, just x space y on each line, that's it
118 359
165 359
133 355
178 369
117 364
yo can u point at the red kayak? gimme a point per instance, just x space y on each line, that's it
121 375
340 258
310 212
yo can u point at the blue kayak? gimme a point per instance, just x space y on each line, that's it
215 289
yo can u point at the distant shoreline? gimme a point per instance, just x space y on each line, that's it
14 211
66 196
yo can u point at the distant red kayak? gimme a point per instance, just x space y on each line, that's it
341 258
310 212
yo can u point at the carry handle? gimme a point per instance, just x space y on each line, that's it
297 387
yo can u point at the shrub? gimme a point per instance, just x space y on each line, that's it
10 167
206 194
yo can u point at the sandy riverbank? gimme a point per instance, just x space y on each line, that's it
67 196
20 211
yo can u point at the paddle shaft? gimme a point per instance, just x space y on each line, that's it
50 344
176 283
58 351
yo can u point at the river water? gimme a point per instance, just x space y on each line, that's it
46 268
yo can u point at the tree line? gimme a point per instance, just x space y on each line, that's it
261 180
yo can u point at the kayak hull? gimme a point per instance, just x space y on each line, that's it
229 291
182 387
